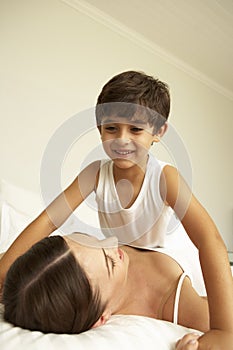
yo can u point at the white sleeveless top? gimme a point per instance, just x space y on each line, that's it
145 223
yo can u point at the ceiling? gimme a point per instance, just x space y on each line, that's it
198 34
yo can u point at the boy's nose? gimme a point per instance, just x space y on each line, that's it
122 141
123 137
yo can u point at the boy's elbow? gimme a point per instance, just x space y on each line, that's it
46 223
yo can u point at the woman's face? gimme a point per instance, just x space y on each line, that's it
105 264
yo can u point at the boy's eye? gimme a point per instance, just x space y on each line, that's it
110 128
136 129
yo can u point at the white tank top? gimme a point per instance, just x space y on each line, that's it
145 223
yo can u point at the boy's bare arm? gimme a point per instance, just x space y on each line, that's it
212 251
51 218
212 340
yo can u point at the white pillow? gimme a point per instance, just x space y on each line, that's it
21 199
121 332
12 224
19 207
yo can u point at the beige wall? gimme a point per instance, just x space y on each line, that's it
54 61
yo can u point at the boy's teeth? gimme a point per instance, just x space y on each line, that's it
123 152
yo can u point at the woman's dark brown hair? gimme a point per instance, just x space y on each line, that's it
47 290
126 92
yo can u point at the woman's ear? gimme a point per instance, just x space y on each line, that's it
103 319
160 132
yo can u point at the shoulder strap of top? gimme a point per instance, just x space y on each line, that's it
103 170
177 297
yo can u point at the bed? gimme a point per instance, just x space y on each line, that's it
18 207
126 332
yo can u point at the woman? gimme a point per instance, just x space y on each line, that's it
73 283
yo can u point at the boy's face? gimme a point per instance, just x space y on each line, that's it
125 141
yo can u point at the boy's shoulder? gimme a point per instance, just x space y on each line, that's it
155 162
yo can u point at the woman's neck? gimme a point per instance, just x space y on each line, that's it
135 295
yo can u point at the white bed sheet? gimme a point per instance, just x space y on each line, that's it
120 332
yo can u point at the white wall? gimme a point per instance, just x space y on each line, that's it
54 61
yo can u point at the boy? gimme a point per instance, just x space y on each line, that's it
135 193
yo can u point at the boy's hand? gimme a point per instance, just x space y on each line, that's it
212 340
188 342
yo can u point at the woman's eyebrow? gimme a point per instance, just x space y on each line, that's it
106 261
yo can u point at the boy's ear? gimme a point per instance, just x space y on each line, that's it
103 319
160 132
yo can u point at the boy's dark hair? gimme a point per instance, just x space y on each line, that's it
130 92
47 290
